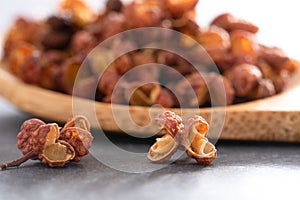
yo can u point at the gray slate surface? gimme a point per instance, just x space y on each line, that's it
241 171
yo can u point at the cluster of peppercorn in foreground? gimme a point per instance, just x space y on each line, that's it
52 145
49 52
191 135
57 147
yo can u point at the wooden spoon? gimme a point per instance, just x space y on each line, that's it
275 118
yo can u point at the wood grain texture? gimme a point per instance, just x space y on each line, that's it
272 119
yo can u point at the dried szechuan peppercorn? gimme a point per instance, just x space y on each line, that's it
45 52
196 144
77 133
171 129
191 135
48 144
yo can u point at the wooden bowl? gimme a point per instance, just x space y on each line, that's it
275 118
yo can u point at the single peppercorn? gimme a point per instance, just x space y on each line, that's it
25 135
76 133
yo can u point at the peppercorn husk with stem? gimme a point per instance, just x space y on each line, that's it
48 144
43 144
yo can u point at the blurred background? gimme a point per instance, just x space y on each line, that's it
277 20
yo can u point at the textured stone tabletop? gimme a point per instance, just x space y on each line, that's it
241 171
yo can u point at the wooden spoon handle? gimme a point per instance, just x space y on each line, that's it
259 125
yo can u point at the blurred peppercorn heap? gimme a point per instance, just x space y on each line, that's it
49 52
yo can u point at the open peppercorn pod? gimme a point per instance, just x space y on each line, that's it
77 133
46 143
229 22
144 95
48 147
191 136
148 95
196 144
171 129
79 11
